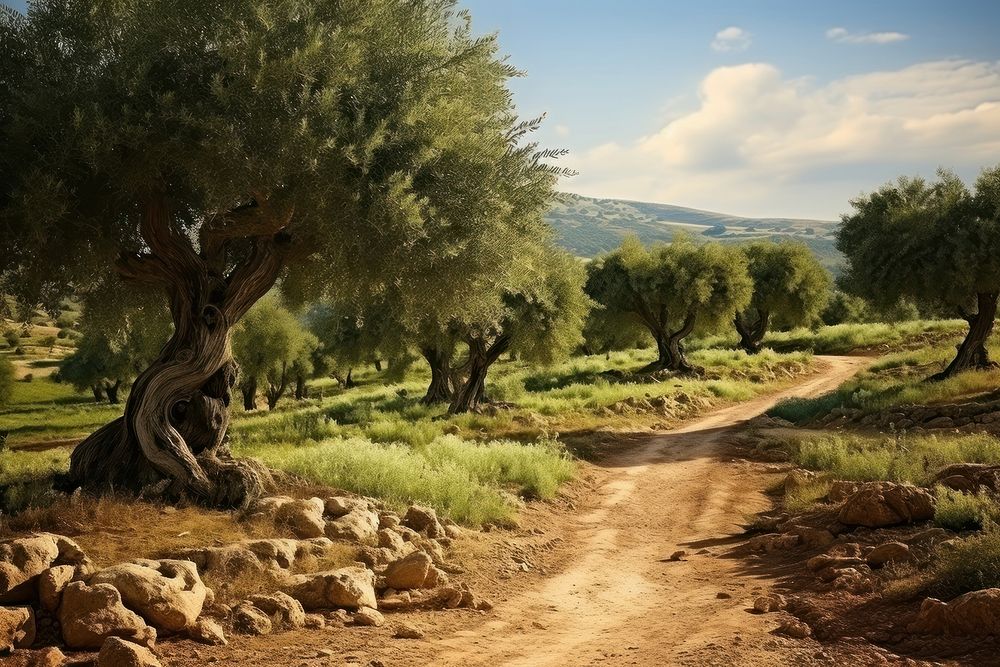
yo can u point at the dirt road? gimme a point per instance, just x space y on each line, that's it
622 601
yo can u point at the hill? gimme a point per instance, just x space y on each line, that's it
588 226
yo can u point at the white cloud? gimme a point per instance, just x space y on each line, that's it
731 39
847 37
562 131
760 143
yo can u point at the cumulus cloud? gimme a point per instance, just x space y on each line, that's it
761 143
846 36
731 39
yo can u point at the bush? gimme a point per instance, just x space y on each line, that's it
969 565
965 511
11 337
6 380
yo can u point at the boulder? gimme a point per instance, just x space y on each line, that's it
890 552
51 584
972 614
412 571
388 519
813 537
304 517
768 603
841 491
969 477
249 620
254 556
117 652
349 588
169 594
408 631
90 614
24 559
17 628
49 656
358 525
794 629
881 504
369 617
285 611
393 542
207 631
338 506
423 520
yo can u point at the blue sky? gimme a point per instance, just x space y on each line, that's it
754 107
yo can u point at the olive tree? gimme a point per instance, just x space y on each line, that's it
790 288
935 243
209 148
6 380
672 290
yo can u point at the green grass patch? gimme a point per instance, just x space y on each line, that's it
969 565
965 511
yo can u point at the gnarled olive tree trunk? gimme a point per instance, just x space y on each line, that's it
752 331
171 441
973 352
439 359
670 353
472 391
248 387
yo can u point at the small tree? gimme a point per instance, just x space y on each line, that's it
672 290
790 288
936 243
540 322
6 380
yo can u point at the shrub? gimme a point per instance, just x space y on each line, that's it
6 380
969 565
11 337
965 511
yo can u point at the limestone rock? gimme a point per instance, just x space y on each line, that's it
369 617
969 477
349 587
412 571
254 556
51 584
423 520
408 631
304 517
285 611
972 614
169 594
890 552
768 603
358 525
49 656
394 542
338 506
841 491
207 631
17 628
22 561
795 629
881 504
249 620
90 614
117 652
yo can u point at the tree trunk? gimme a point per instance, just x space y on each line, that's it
973 352
111 390
752 333
676 358
349 381
171 441
378 365
276 389
662 360
472 391
249 390
98 392
300 387
439 390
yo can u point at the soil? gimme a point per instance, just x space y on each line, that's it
594 578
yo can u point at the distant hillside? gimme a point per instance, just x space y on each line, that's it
588 227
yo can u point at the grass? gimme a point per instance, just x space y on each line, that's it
965 511
967 565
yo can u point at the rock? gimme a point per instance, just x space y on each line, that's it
255 556
24 559
677 555
340 505
169 594
393 541
881 504
939 422
841 491
423 520
90 614
17 628
768 603
285 611
722 595
304 517
388 520
452 531
49 656
369 617
315 621
408 631
827 561
116 652
51 584
969 477
207 631
359 525
349 588
409 572
929 536
249 620
972 614
795 629
813 537
890 552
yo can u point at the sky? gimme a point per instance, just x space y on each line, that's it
754 107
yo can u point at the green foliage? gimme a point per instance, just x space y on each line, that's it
6 380
789 284
955 510
971 564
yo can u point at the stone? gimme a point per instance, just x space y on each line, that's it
939 422
17 628
24 559
929 536
409 572
255 556
841 491
116 652
285 611
794 629
813 537
349 587
768 603
169 594
423 520
90 614
338 506
408 631
388 520
972 614
304 517
890 552
881 504
677 555
369 617
51 584
969 477
249 620
358 525
394 542
827 561
208 631
49 656
315 621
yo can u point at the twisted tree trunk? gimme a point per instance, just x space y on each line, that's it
171 440
468 396
752 333
300 387
249 390
439 390
973 353
111 390
98 392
